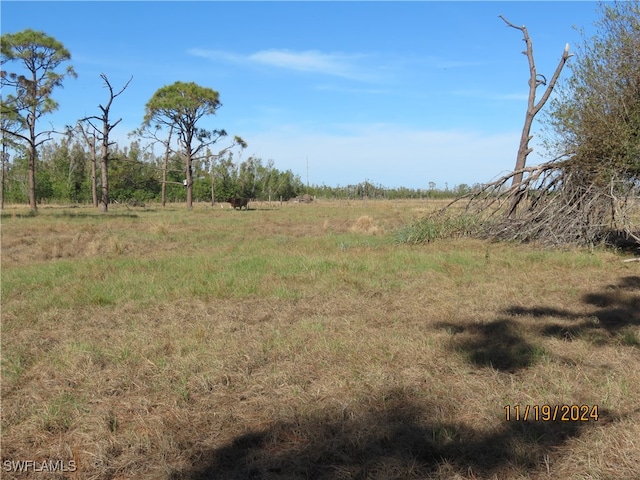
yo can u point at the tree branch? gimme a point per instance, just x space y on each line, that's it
565 56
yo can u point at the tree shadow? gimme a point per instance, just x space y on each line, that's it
611 312
65 214
497 344
392 437
507 345
7 214
94 215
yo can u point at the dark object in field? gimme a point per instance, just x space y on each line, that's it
237 202
136 203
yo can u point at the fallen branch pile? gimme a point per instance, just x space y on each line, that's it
556 203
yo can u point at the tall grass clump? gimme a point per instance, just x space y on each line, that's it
438 226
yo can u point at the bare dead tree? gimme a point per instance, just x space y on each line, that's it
165 166
535 80
589 193
90 140
103 135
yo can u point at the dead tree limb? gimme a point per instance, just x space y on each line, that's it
558 204
532 107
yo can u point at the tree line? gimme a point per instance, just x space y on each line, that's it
65 172
85 166
136 174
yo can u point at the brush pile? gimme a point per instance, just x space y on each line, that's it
557 203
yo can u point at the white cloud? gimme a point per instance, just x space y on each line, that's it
215 55
307 61
333 64
351 66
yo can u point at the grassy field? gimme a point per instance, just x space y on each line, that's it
300 341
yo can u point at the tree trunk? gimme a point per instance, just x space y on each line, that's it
94 175
189 160
104 206
4 161
32 163
189 181
213 186
523 148
90 140
165 167
164 182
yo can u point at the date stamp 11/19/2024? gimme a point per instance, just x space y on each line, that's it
551 413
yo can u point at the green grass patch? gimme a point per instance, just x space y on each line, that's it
61 413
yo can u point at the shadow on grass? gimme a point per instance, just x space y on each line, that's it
507 344
612 312
497 345
393 436
77 211
6 214
95 215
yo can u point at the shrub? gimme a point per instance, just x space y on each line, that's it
438 226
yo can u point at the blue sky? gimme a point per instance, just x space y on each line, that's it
399 93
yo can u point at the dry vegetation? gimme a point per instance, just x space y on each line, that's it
556 204
301 342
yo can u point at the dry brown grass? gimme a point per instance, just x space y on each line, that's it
291 342
366 224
